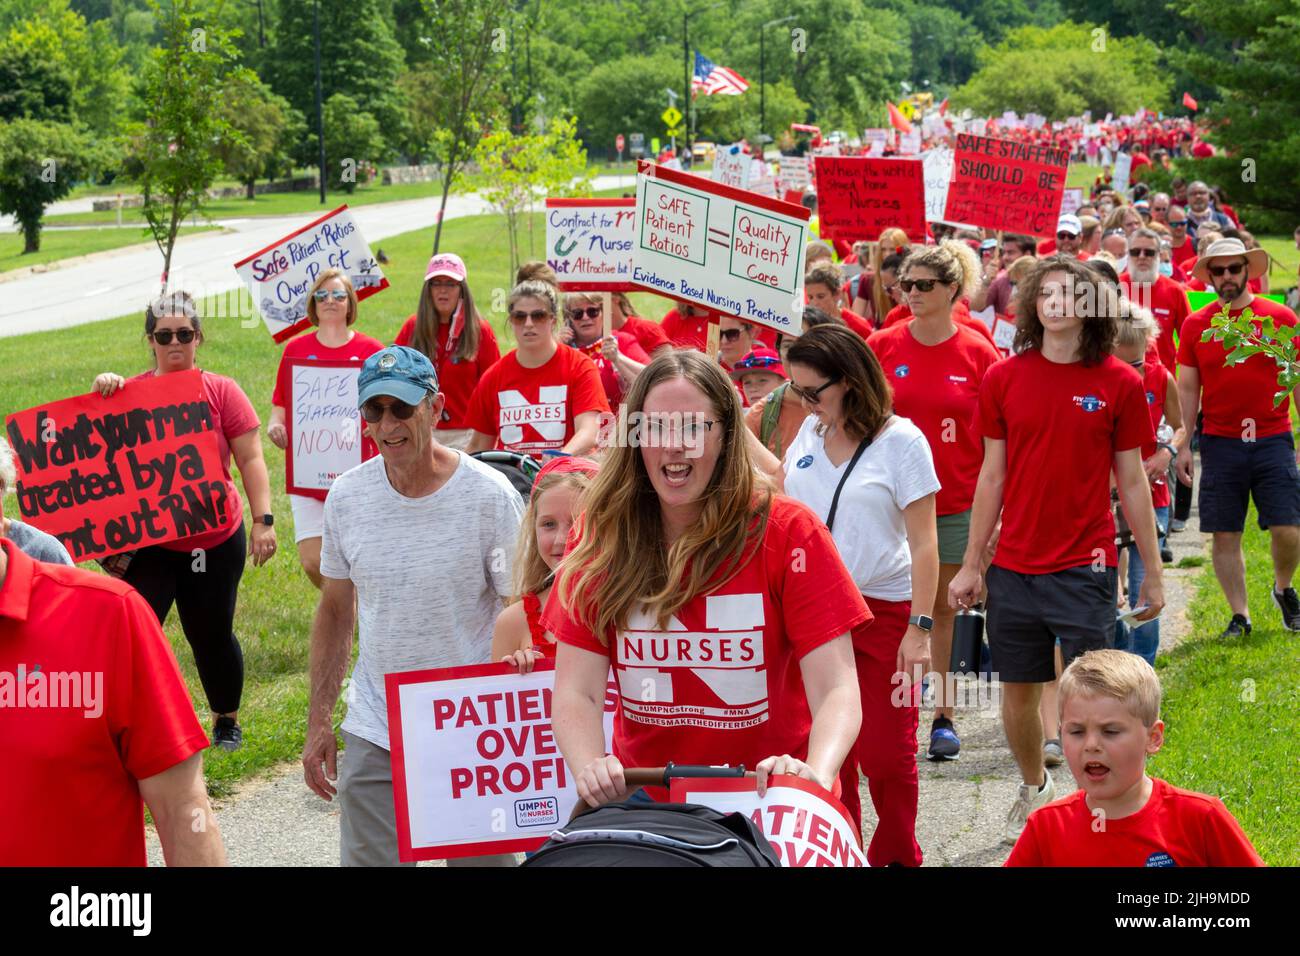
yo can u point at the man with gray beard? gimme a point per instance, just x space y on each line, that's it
1143 283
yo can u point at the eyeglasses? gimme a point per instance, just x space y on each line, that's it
1142 253
729 335
183 336
591 311
812 396
1066 235
1177 224
1235 269
925 285
338 295
538 317
663 431
373 412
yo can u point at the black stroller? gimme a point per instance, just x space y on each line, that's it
636 833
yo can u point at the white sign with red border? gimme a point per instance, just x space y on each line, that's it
805 824
476 769
730 250
324 425
589 243
280 276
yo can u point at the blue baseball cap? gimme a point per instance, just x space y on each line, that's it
399 372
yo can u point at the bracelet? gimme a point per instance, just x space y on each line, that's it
1173 452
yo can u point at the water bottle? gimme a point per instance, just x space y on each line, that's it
967 640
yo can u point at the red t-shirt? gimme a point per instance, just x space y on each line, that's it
960 315
1180 255
649 335
118 714
937 387
532 409
722 684
308 346
232 415
857 323
1063 424
1168 303
686 331
1155 383
1176 828
457 378
609 380
1232 396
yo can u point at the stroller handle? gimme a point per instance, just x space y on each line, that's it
663 776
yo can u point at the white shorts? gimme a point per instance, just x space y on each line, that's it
308 517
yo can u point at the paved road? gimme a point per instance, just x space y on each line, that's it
110 284
277 821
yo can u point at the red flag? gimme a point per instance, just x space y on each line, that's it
897 119
943 107
1189 102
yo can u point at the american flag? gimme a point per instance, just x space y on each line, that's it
710 79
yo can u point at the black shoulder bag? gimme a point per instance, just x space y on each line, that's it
835 502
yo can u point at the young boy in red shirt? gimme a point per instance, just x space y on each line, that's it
1110 721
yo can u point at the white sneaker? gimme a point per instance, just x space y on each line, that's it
1029 800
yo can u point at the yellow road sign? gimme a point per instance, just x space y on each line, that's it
671 116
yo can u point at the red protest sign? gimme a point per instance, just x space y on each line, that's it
860 197
106 475
1002 184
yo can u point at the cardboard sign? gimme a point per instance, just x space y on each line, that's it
1123 171
1004 334
1071 199
107 475
859 197
761 180
793 172
476 769
280 276
909 143
731 167
1003 184
324 425
876 140
726 249
805 824
589 243
937 165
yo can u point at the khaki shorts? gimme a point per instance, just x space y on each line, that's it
954 530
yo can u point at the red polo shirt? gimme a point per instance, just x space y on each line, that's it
106 709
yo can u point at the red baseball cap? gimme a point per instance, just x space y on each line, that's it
759 360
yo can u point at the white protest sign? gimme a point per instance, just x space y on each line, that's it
1004 334
1071 199
979 127
731 167
726 249
1123 169
589 242
876 140
987 315
324 425
279 276
794 172
805 825
937 165
761 179
909 143
476 769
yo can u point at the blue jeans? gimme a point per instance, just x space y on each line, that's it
1143 640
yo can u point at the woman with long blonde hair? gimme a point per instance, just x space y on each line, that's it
892 242
723 608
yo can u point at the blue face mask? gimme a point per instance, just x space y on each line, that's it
1166 268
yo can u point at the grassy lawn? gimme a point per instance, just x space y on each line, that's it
276 602
1229 709
64 243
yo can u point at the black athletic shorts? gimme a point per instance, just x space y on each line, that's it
1234 471
1028 612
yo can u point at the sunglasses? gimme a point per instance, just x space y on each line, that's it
811 396
729 335
373 412
925 285
1178 224
1235 269
338 295
1066 235
538 317
591 311
183 336
1142 253
1140 364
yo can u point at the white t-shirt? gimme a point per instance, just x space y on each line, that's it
869 531
429 572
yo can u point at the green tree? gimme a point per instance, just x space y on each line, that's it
39 162
359 57
726 119
625 96
1064 70
32 85
176 146
465 39
1254 120
261 118
353 141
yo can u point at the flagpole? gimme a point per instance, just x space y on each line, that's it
686 53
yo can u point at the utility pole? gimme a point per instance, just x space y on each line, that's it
762 80
320 109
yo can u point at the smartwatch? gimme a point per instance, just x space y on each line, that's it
922 621
267 520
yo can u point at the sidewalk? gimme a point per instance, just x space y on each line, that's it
277 821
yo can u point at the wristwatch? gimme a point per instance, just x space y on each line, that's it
267 520
922 621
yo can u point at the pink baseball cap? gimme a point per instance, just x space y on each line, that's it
445 264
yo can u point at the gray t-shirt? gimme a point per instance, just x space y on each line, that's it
430 574
36 544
